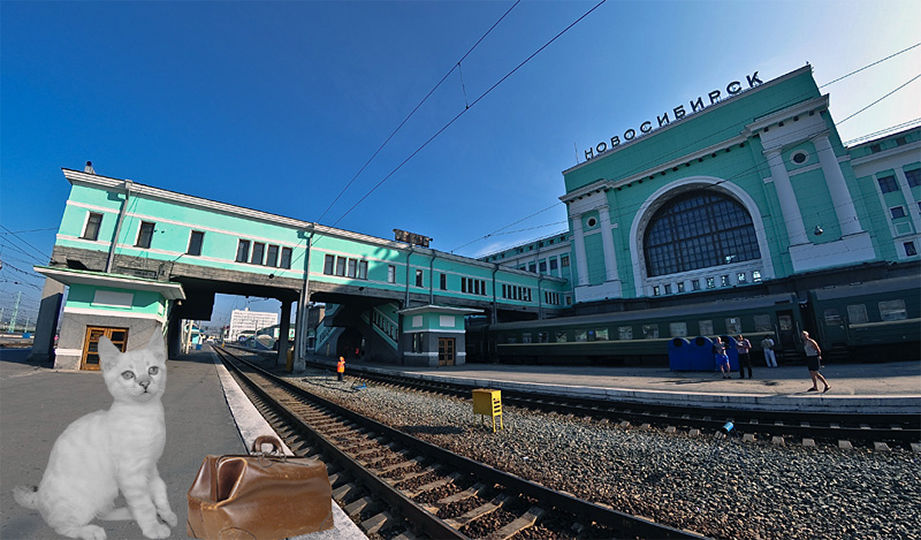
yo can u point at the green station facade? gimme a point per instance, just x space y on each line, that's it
745 186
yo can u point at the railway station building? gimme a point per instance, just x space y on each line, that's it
744 191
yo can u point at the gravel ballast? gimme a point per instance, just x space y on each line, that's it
718 487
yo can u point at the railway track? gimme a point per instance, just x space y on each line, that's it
831 428
395 485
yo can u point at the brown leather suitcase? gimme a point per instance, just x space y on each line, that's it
259 496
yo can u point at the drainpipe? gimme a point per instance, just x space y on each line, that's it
432 280
408 255
118 227
492 318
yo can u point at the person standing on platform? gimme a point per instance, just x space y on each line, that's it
340 367
721 358
745 360
767 345
814 362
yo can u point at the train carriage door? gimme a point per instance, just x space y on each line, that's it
834 332
786 330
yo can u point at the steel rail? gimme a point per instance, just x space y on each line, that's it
626 524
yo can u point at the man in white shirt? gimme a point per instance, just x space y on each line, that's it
767 345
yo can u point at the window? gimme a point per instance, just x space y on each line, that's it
391 273
476 286
526 337
668 288
625 332
700 229
352 268
542 266
887 184
800 157
897 212
900 141
756 276
418 278
463 284
564 261
561 337
857 314
145 234
195 240
874 148
581 335
655 290
258 253
532 267
329 264
706 327
362 269
711 283
443 282
733 326
680 286
285 257
91 230
271 256
910 250
678 329
763 323
741 277
553 264
832 317
504 290
243 251
913 177
650 331
724 280
695 284
341 263
601 334
892 310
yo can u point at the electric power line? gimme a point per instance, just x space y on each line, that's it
903 85
26 242
893 55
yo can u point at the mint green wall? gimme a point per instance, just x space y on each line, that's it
431 322
594 254
81 296
815 206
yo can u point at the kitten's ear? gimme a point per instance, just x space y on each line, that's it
108 352
156 345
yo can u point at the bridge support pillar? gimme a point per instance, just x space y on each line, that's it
283 329
47 323
174 335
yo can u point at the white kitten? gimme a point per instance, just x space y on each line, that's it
107 451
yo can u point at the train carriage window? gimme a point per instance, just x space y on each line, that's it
892 310
733 326
756 276
785 322
561 337
601 334
650 331
705 327
591 335
625 332
526 337
542 337
581 335
763 323
511 339
678 329
857 313
832 317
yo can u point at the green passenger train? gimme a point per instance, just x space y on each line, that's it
849 321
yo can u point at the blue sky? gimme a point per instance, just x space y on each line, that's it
276 105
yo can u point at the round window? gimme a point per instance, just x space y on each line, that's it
799 157
592 221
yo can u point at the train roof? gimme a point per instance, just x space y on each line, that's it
906 283
657 313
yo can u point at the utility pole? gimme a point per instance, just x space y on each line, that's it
15 311
2 309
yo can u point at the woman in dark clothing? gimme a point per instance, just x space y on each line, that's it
814 362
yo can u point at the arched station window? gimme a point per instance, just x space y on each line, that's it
698 229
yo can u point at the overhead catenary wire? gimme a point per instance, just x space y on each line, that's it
858 70
462 112
416 108
27 243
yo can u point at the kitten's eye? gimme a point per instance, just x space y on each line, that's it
128 375
153 370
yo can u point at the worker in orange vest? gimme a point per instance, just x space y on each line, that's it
340 367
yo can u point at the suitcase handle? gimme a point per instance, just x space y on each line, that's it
266 439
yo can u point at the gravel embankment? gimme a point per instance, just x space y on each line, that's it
722 488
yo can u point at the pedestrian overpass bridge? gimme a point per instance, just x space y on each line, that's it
137 258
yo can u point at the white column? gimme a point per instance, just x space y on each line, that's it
607 242
913 209
792 218
840 196
578 242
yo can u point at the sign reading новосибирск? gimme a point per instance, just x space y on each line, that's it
679 112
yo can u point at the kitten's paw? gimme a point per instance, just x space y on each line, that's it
87 532
157 531
169 517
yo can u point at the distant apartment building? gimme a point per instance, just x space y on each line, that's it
244 320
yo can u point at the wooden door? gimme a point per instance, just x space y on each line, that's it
90 360
446 351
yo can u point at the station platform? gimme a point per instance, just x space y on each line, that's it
892 387
206 413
